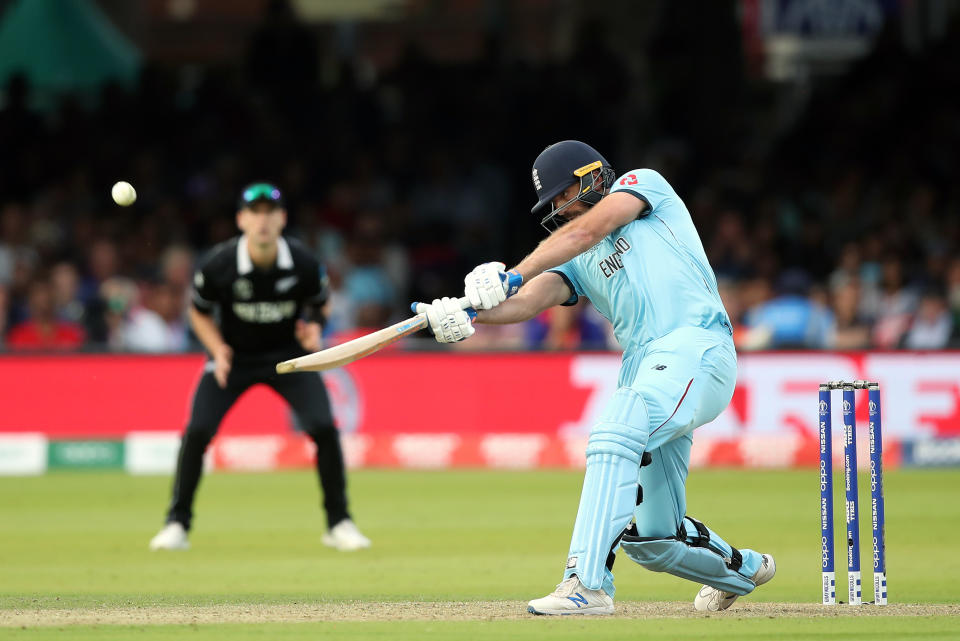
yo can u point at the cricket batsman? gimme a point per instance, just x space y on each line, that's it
629 245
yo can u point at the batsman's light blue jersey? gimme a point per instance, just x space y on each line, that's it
652 280
650 276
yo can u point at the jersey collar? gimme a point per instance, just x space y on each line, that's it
245 264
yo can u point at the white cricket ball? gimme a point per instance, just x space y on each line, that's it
123 194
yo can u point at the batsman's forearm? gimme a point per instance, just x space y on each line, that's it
513 310
540 293
582 233
561 246
206 330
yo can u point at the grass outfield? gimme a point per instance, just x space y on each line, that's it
72 544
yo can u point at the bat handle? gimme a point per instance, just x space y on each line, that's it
464 305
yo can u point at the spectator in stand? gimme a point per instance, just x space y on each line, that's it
43 331
65 281
103 262
931 325
158 325
8 247
14 249
338 310
366 284
431 233
792 319
893 306
748 295
852 330
118 295
847 269
176 266
24 273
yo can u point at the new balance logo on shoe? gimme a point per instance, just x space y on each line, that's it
572 597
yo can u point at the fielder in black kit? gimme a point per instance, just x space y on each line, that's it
260 286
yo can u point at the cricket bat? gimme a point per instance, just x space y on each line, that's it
357 348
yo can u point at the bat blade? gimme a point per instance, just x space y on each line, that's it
353 350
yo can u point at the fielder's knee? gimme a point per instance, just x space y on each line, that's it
200 434
323 433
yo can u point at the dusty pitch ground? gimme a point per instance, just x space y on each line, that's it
427 611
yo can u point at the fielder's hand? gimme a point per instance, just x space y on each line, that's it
448 322
308 335
222 362
488 285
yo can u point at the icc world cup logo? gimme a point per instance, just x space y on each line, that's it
823 408
873 407
846 407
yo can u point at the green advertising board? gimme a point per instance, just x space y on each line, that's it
85 454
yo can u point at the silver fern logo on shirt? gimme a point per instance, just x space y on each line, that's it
613 263
284 284
242 289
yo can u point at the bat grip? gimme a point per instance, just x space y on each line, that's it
464 305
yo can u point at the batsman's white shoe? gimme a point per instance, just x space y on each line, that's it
713 600
345 536
171 537
571 597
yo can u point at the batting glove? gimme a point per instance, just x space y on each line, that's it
448 322
488 285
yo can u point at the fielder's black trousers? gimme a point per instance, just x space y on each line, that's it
307 396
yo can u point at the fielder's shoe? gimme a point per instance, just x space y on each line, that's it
171 537
571 597
345 536
713 600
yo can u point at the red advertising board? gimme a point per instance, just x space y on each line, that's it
523 409
108 396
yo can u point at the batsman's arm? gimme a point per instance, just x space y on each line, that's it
544 291
582 233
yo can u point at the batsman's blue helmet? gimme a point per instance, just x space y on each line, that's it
561 165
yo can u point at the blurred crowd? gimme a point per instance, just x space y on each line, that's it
840 231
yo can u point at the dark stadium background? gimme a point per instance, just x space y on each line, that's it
817 153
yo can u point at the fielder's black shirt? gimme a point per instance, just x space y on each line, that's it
258 308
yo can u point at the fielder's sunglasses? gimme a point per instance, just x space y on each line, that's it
261 192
